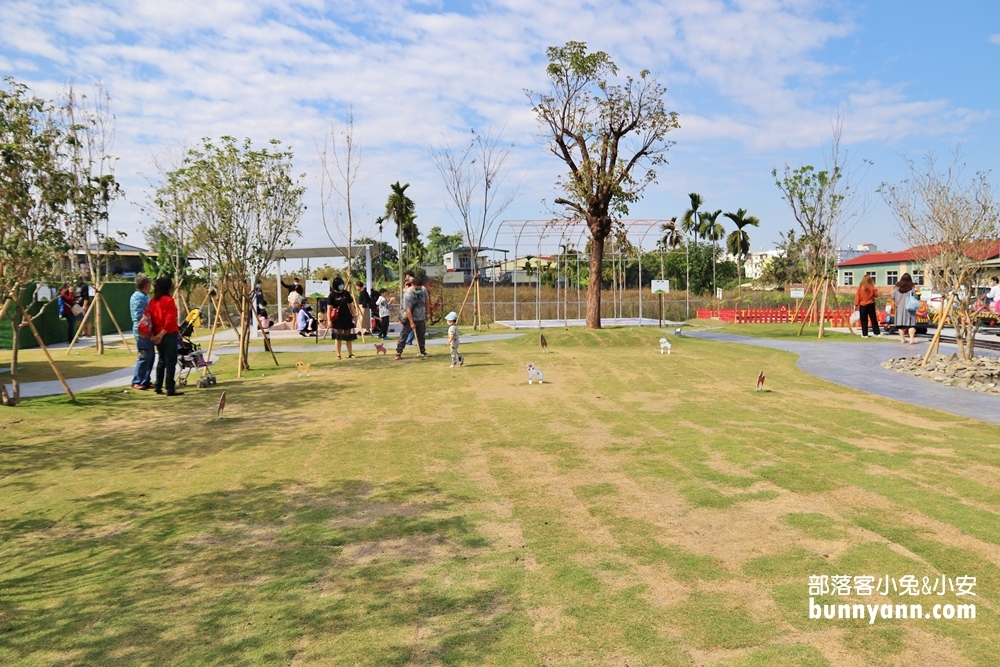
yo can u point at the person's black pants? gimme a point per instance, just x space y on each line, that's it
383 326
70 321
420 328
166 364
868 314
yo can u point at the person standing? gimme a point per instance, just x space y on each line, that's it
67 303
295 298
83 297
864 301
163 313
413 316
141 379
340 315
365 302
383 314
904 319
452 320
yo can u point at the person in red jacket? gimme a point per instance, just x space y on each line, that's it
163 313
864 301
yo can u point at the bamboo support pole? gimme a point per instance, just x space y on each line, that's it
936 341
79 328
45 350
114 321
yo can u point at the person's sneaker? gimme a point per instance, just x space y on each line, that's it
461 361
423 355
175 393
158 391
147 385
398 357
453 365
139 387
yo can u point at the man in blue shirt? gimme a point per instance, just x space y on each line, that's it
147 351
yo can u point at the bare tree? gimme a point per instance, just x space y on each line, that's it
90 130
242 207
340 165
827 204
952 223
476 179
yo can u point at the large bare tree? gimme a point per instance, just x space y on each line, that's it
476 179
340 159
952 222
610 132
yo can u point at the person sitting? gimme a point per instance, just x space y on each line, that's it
307 324
993 296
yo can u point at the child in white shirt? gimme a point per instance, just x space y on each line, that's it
456 358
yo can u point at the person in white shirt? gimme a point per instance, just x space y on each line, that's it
382 304
993 296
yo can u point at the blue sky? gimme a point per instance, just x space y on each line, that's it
756 83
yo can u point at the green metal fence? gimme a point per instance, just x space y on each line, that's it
53 328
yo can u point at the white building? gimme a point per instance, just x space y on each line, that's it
753 268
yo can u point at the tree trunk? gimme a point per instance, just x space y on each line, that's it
15 383
244 325
822 309
594 284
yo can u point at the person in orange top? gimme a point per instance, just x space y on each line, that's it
163 313
864 301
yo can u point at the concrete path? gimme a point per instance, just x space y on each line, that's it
123 377
857 365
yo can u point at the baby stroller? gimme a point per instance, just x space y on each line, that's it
190 356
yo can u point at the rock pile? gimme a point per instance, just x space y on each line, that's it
981 374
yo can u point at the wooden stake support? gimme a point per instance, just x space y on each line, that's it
114 321
936 341
41 344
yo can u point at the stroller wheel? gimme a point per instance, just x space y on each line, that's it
182 382
212 380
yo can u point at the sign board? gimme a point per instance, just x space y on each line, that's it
43 292
718 294
317 289
660 286
797 293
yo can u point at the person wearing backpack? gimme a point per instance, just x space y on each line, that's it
137 304
163 313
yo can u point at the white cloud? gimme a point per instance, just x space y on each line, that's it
414 72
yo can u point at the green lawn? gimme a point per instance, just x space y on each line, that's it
637 508
781 331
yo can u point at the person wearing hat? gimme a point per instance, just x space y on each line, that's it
452 320
307 324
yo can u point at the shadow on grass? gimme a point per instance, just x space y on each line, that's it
125 425
345 573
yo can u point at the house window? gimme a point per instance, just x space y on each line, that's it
464 262
872 274
891 277
848 278
918 277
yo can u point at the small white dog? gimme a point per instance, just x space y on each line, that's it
664 345
534 374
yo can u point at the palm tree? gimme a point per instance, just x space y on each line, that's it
738 242
672 237
401 210
712 230
690 222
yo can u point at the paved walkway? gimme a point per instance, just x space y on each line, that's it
123 377
857 365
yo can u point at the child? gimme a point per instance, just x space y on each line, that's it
456 358
383 314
